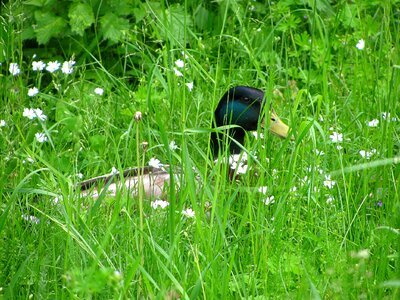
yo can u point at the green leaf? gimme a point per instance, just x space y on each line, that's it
62 111
28 33
321 5
98 143
71 122
121 7
48 26
38 3
139 14
348 16
113 27
303 40
174 23
81 17
202 18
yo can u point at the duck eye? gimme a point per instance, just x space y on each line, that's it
273 119
245 99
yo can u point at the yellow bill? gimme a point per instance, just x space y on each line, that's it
276 126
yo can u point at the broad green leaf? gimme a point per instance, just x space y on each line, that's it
174 23
113 27
62 111
98 142
39 3
81 17
139 14
72 123
121 8
321 5
48 26
202 18
28 33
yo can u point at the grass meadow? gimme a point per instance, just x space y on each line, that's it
315 217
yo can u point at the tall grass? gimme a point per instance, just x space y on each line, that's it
330 227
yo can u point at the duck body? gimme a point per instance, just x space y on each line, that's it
239 110
154 181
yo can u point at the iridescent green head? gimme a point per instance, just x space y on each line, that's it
242 106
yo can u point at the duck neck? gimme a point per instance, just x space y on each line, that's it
220 140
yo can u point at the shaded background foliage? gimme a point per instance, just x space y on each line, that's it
124 35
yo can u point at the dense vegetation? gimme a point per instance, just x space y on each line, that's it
316 217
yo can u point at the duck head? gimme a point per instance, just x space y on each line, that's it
242 106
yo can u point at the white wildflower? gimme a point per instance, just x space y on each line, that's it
159 203
32 113
29 113
177 72
32 219
41 137
184 55
68 67
362 254
53 66
373 123
269 200
99 91
172 146
55 201
336 137
190 86
257 136
38 65
179 63
39 114
29 160
263 189
117 273
14 69
367 154
190 213
386 116
360 45
155 163
305 180
33 91
328 182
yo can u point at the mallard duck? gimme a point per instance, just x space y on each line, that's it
241 107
